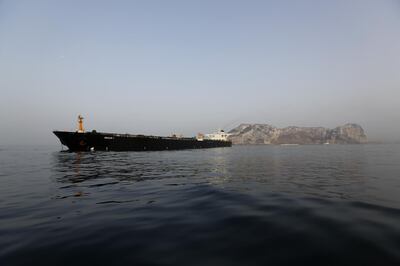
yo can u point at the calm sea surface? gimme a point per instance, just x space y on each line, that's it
245 205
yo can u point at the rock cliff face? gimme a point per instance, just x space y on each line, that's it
267 134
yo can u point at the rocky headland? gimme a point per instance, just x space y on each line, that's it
267 134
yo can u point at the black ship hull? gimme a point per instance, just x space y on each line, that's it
76 141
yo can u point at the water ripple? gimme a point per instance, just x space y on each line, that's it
258 205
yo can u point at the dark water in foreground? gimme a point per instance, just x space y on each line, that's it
246 205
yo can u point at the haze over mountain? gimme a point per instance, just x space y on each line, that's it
162 67
267 134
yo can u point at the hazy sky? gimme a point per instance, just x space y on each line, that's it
159 67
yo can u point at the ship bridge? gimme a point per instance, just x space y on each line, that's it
220 135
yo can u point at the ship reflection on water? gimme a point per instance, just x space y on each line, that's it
82 173
280 169
261 204
123 166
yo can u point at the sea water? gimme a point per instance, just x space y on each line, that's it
245 205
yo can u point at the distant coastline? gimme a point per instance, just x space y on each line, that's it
267 134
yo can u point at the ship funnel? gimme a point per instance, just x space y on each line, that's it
80 124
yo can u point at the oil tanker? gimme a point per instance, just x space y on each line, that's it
82 140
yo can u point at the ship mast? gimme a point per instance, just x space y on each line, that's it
80 124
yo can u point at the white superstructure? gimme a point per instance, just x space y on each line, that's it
220 135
